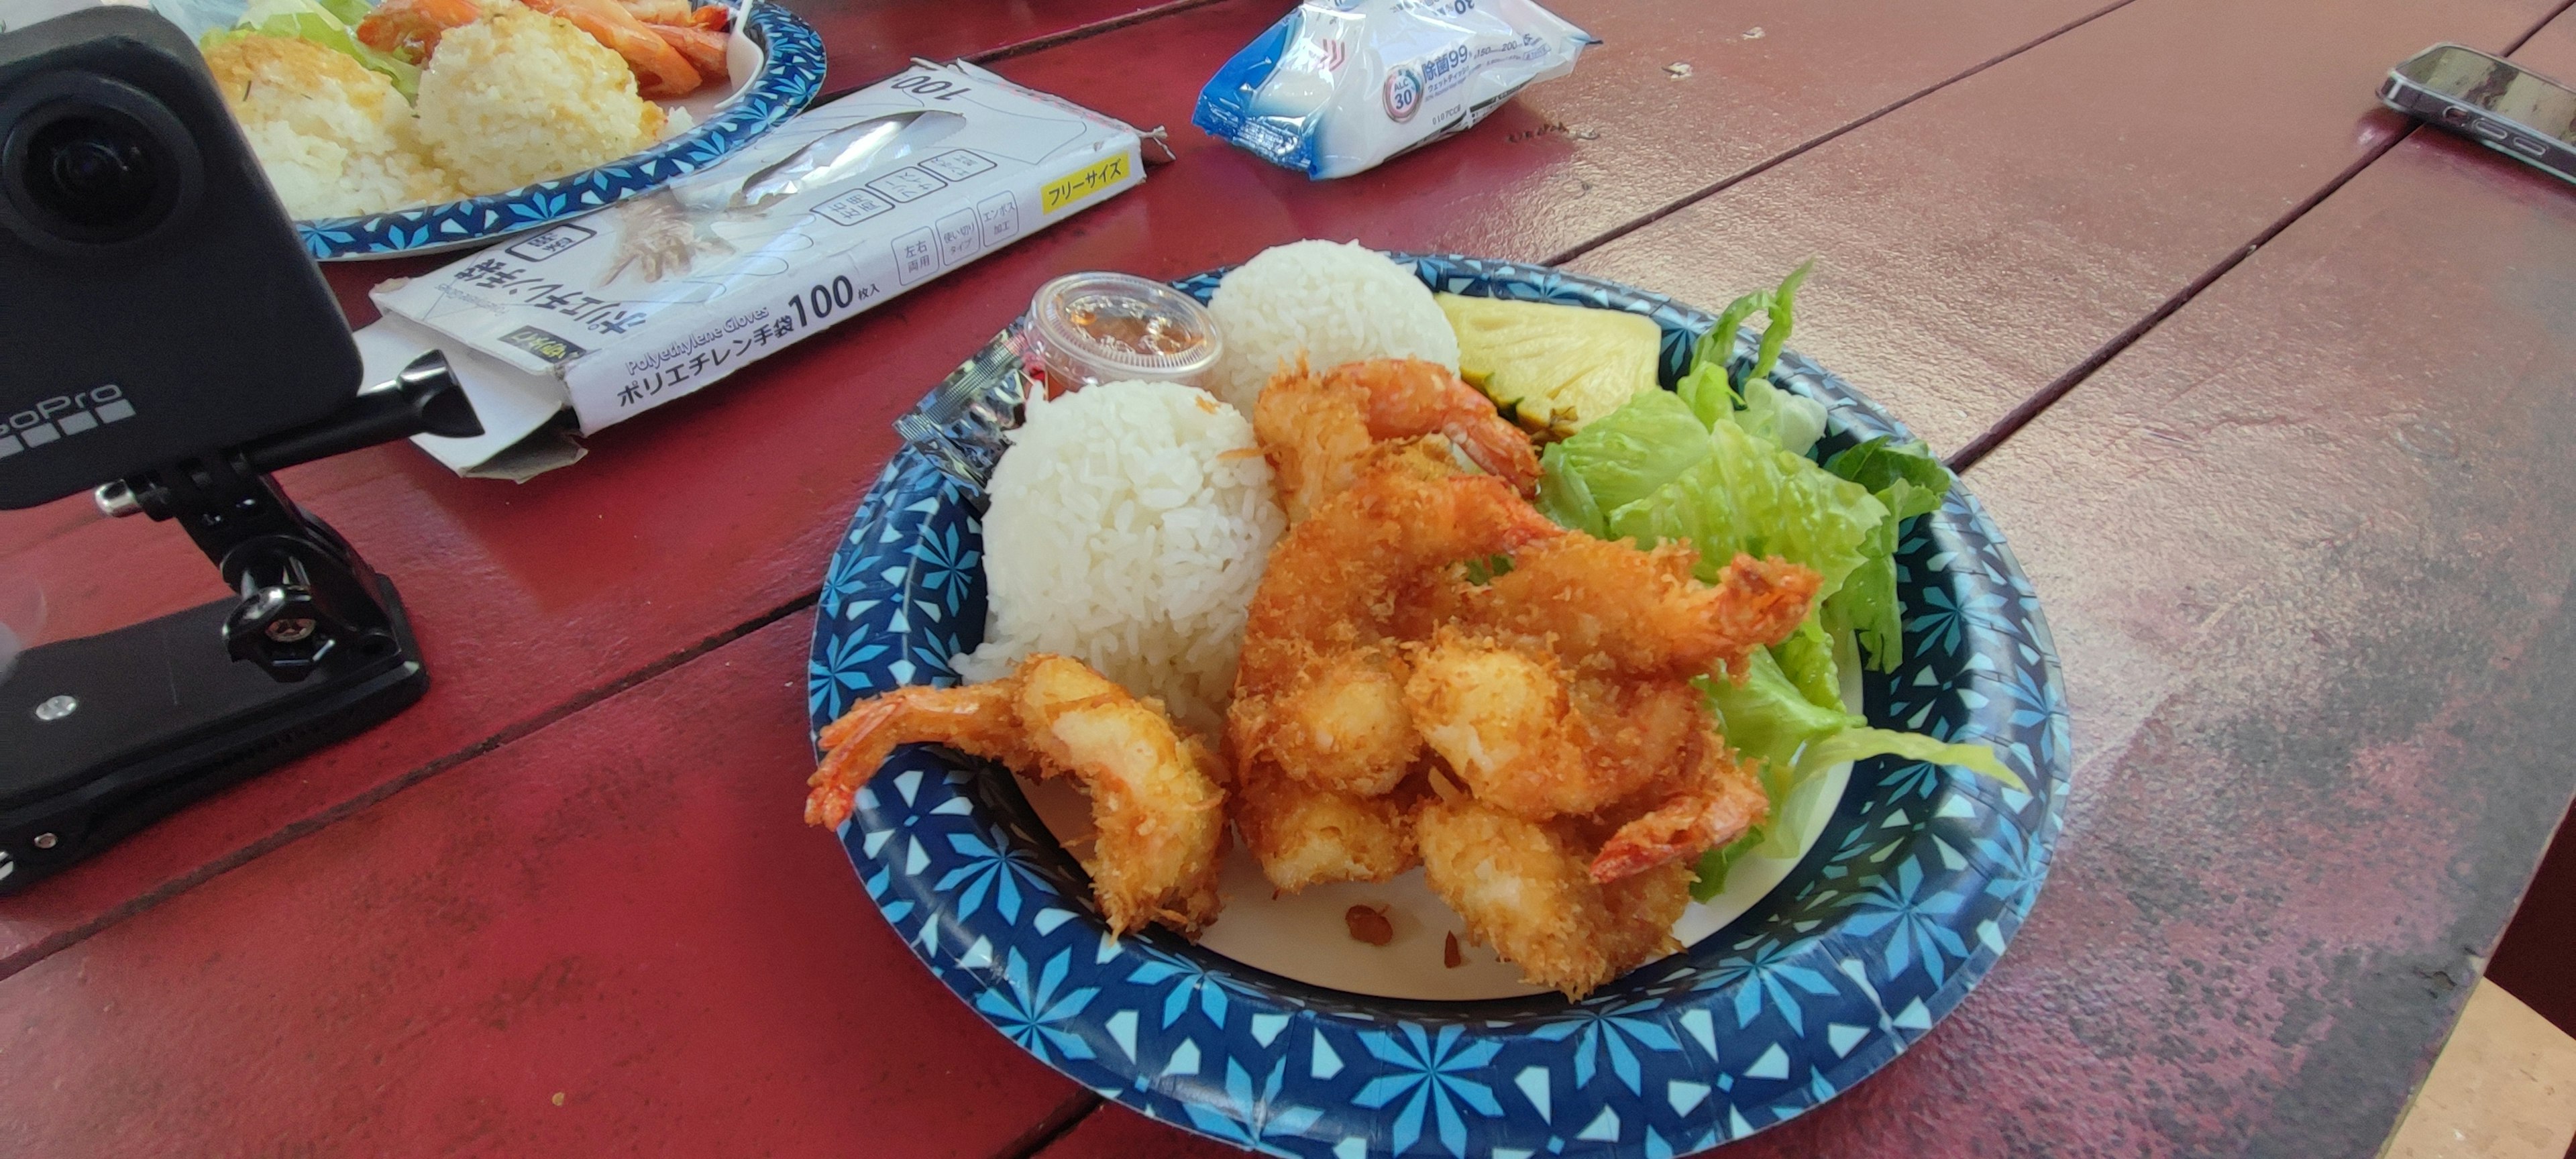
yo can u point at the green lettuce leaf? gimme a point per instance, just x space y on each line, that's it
1750 496
1909 482
1793 421
1861 743
348 12
1807 659
1777 307
1767 721
1710 396
1775 331
1630 453
1789 740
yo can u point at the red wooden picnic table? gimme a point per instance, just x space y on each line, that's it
2261 384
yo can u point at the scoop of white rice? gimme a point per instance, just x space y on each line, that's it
1330 303
1130 523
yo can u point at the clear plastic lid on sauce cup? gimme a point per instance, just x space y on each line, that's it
1103 327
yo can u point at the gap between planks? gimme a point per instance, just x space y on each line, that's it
2047 396
1792 153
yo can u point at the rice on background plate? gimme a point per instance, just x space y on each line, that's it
1129 526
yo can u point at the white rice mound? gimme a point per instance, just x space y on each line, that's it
1130 523
1327 302
522 96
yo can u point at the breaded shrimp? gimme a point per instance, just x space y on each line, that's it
1532 736
1714 802
1339 724
661 71
1317 698
410 28
1315 427
1333 580
1303 835
1641 613
1523 889
1155 799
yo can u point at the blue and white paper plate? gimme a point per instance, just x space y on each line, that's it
1917 884
791 74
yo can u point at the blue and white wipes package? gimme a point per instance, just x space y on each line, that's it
1338 86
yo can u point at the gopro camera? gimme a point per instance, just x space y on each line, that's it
153 294
170 344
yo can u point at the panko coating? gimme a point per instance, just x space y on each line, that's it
1156 794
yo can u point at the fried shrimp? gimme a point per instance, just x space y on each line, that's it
1524 890
1715 802
1155 795
1339 725
1318 727
1317 427
1334 580
1303 835
1532 736
1641 613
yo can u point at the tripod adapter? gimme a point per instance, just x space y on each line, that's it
102 735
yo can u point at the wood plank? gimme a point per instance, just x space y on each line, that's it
869 40
2302 548
696 519
613 937
2504 1087
1979 243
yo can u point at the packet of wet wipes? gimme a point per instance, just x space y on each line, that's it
1338 86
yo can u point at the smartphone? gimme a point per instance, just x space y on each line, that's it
2497 103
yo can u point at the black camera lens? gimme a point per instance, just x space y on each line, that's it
96 170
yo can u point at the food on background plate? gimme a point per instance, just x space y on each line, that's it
1324 303
334 138
1551 367
522 96
449 98
1129 525
1158 812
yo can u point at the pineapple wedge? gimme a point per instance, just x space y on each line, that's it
1553 368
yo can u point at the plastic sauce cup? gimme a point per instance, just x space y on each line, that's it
1103 327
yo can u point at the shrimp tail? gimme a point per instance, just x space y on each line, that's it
661 72
1724 802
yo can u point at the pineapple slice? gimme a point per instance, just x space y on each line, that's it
1553 368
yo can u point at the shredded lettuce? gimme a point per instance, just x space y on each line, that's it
1725 462
329 23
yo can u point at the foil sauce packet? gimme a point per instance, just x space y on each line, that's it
1338 86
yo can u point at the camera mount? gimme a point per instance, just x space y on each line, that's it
107 733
